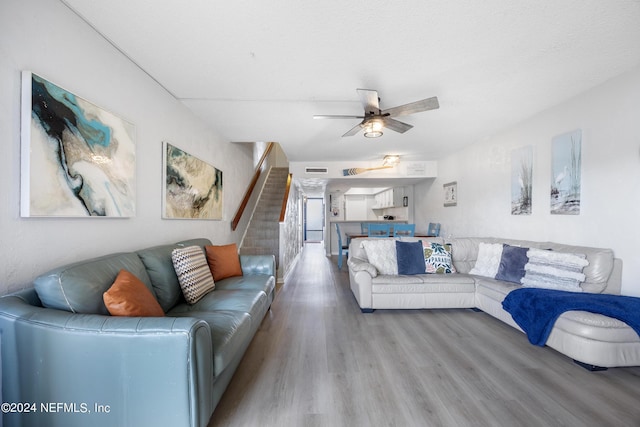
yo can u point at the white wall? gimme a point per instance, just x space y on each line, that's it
291 233
45 37
355 207
609 117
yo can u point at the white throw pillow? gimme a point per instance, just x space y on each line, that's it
488 261
382 255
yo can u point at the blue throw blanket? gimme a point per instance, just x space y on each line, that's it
536 310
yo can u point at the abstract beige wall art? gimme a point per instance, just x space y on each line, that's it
192 187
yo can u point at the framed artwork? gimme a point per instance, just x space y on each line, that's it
521 180
192 187
566 173
77 159
450 193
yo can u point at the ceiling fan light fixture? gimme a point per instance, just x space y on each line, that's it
373 134
375 119
373 129
391 160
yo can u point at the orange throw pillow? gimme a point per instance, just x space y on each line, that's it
128 296
224 261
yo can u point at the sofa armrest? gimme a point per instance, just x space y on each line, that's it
258 264
140 371
357 264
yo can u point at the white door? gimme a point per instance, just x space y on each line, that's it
314 220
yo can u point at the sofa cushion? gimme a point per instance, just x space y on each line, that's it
598 272
437 258
423 284
512 262
202 242
410 257
230 330
78 287
593 326
464 252
495 289
193 272
128 296
157 260
395 279
223 261
381 253
258 282
488 261
252 302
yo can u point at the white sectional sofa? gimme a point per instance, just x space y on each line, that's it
592 340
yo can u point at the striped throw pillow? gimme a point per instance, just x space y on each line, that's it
193 272
554 270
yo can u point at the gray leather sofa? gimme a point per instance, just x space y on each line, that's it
87 368
592 340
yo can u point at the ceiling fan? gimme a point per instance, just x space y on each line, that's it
374 119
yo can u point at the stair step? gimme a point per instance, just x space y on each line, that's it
263 231
259 251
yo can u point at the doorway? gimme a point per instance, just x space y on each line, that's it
313 220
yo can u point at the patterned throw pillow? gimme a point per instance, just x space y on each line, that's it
554 270
193 272
437 258
381 253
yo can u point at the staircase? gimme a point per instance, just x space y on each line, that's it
263 232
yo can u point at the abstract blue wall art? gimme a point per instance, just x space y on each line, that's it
566 173
78 160
192 188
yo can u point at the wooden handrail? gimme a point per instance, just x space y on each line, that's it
250 188
283 211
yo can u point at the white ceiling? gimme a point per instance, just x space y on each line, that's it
259 70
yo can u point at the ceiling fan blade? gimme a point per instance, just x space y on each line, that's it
354 130
413 107
369 100
336 117
395 125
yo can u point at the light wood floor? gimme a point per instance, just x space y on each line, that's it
318 361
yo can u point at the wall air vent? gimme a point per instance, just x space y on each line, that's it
316 170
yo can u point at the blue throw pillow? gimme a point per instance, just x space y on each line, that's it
512 263
410 257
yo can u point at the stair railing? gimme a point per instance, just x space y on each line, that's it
283 211
250 188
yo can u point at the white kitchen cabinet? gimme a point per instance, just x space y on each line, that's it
390 198
397 195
